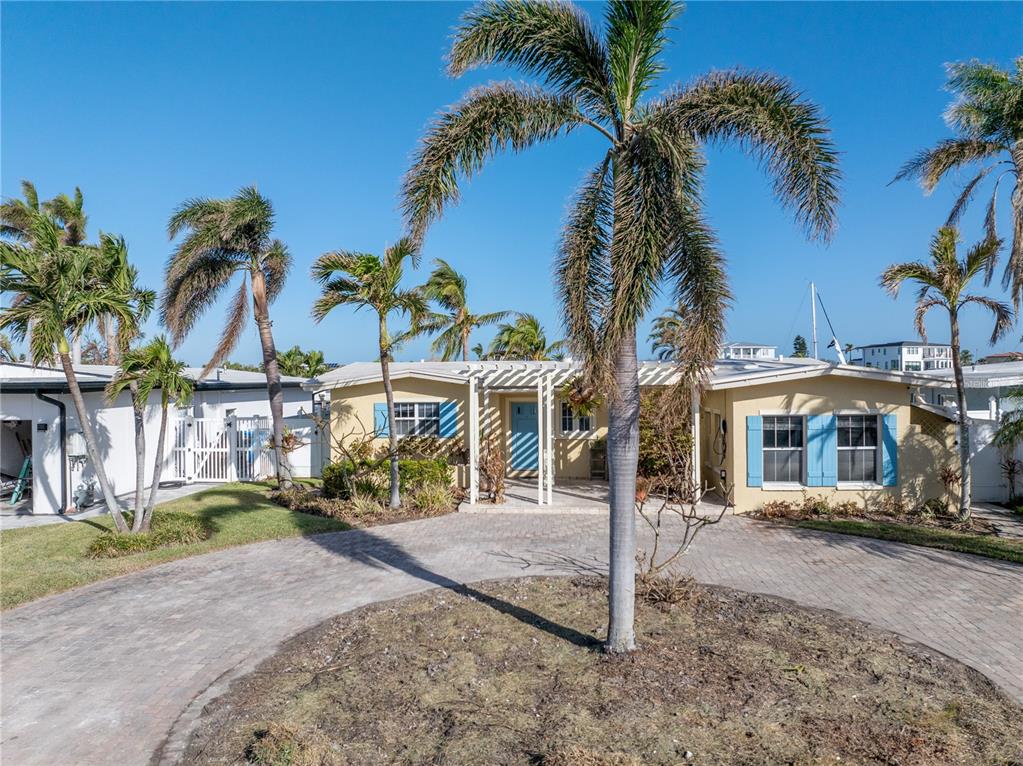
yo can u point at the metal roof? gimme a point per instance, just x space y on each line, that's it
726 373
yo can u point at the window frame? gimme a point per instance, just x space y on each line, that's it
417 418
764 449
857 484
576 421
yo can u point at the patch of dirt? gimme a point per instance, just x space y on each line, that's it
511 673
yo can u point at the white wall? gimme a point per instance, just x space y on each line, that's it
247 403
989 483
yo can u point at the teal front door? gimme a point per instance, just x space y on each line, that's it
525 438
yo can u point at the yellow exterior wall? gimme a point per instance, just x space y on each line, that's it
351 418
925 441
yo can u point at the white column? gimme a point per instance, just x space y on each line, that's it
697 457
473 414
992 407
539 440
549 435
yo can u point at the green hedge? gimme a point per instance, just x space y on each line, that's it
412 474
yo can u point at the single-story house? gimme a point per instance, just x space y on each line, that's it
763 429
38 420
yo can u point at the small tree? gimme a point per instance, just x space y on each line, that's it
142 371
799 348
455 323
524 338
943 284
358 279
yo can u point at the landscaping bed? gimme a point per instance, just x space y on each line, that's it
930 525
511 673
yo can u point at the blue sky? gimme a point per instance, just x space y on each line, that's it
144 105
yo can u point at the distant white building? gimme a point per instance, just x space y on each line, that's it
748 351
903 356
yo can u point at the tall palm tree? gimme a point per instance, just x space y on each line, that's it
349 278
637 219
942 284
447 288
987 117
524 338
668 333
17 216
292 361
142 371
222 238
120 273
315 364
61 293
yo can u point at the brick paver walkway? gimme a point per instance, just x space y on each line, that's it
117 672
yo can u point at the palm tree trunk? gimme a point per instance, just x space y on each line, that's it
157 466
91 445
139 412
273 375
465 345
110 333
392 427
964 425
623 459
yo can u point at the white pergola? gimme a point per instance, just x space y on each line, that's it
484 378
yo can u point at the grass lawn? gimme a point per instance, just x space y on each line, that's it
930 537
38 561
510 674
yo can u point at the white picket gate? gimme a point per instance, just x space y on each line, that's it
220 449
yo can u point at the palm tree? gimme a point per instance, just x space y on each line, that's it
987 117
17 216
7 349
143 370
448 288
315 364
292 361
61 293
524 338
225 237
942 284
356 279
123 276
637 219
667 333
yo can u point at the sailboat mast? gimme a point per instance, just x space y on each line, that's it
813 317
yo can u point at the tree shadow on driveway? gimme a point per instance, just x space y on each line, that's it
376 551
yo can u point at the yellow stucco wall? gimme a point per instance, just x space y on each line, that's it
925 441
352 419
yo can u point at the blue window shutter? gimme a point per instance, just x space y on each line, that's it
448 418
821 450
754 451
889 451
380 419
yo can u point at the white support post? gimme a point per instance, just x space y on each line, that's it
539 441
695 436
474 442
189 449
549 435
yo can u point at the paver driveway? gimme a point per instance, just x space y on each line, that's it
117 672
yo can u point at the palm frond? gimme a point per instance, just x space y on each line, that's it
965 196
769 119
553 41
489 120
237 315
918 271
186 296
636 36
931 165
1002 313
276 265
920 314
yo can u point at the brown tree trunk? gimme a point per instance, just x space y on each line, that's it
158 465
965 489
139 412
273 375
465 345
392 427
90 441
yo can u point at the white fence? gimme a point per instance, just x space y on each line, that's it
988 481
237 449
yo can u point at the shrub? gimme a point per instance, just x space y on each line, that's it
362 505
665 440
667 589
776 509
337 481
414 474
306 501
168 528
281 745
372 486
433 499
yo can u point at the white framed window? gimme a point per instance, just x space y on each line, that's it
857 448
784 449
571 421
417 418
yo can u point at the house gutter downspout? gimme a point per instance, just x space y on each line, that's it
63 447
